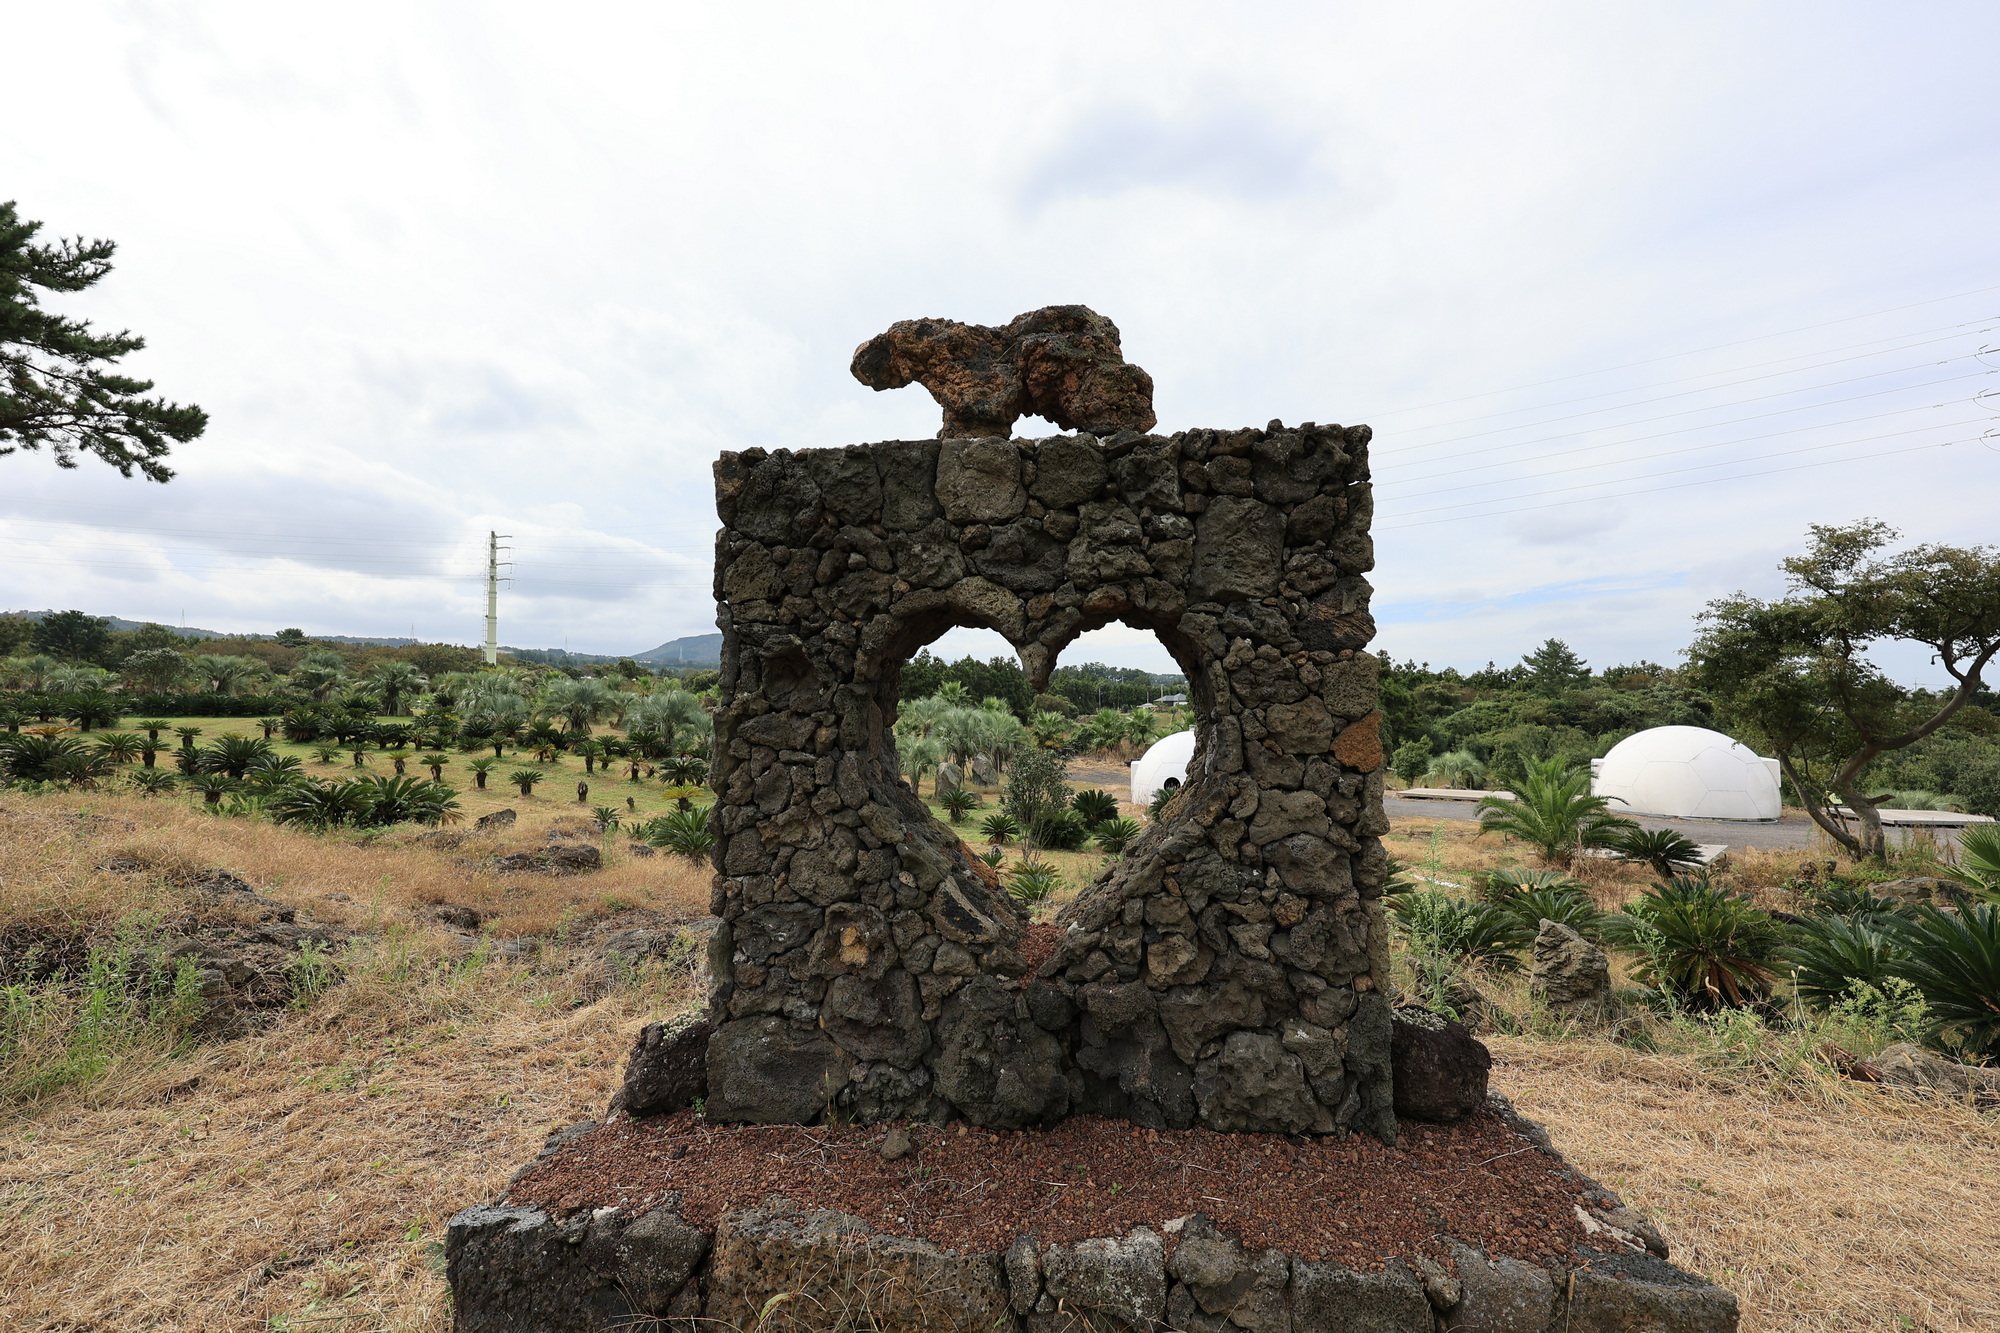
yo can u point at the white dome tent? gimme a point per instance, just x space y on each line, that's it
1687 773
1164 764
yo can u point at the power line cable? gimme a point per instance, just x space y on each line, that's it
1671 356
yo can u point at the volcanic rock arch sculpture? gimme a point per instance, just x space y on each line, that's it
1227 971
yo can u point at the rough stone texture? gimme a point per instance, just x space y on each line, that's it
1569 975
1500 1295
1061 362
667 1069
1906 1065
516 1270
781 1266
498 819
1440 1067
563 858
833 1268
1637 1293
1225 970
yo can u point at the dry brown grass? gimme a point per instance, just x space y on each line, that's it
1856 1208
301 1178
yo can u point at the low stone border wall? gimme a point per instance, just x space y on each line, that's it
781 1265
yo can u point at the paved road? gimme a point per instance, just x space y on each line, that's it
1793 831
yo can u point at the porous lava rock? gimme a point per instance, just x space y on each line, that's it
1569 975
1440 1068
1229 969
667 1069
1061 363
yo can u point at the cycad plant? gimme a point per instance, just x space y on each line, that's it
957 802
1828 954
212 786
1554 813
1456 931
1667 852
1113 834
121 747
1034 882
151 781
1000 828
1094 806
525 779
684 832
1954 959
479 768
436 764
1701 944
1979 861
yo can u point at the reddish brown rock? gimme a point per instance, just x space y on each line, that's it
1061 362
1360 746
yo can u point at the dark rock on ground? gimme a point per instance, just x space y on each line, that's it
517 1270
667 1069
1570 975
562 858
456 916
1637 1293
1906 1065
1440 1068
497 820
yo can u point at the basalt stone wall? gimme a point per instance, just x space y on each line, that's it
1225 971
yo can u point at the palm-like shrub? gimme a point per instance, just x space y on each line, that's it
1000 828
435 763
685 770
152 726
212 786
79 768
234 754
92 708
394 682
1954 959
269 726
607 816
151 781
1565 906
479 768
1094 806
1456 931
1829 954
1059 831
28 757
273 770
1702 944
1456 768
1979 860
684 832
1554 813
188 736
957 802
1666 851
1113 834
121 747
319 803
544 739
1033 883
525 779
407 801
1159 801
1500 885
325 754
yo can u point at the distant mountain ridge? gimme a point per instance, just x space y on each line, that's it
695 650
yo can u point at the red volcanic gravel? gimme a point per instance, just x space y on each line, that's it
1038 943
971 1190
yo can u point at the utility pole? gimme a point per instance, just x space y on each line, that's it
493 563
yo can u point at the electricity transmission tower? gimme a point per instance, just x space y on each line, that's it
493 579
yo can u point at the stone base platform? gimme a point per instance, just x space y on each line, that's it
672 1223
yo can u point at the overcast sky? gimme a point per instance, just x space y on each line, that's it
1631 295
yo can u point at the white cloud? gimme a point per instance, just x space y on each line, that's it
435 271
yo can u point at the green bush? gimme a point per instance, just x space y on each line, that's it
958 802
1954 959
1114 834
1666 851
1059 831
684 832
1094 806
1458 931
1000 828
1702 945
1033 882
1554 812
1830 955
